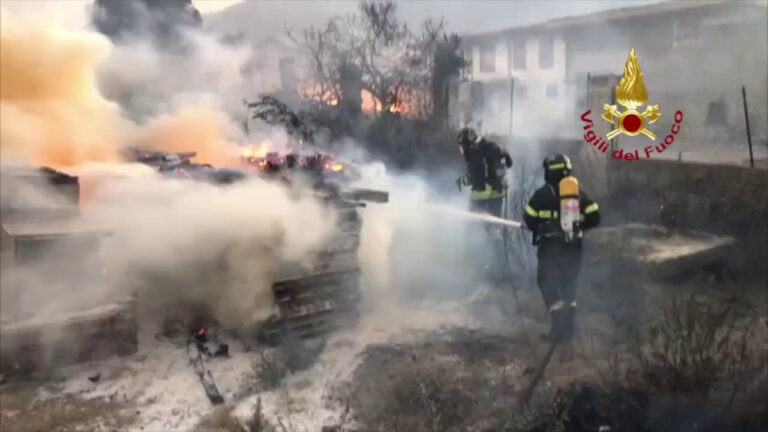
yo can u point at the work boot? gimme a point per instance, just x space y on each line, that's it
569 316
558 331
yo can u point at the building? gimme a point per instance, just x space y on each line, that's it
695 56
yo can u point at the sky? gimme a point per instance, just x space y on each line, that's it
258 19
209 6
265 17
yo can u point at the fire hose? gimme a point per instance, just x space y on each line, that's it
527 393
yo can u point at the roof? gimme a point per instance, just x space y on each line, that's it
661 8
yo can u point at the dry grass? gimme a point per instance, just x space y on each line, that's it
441 387
62 414
694 347
292 356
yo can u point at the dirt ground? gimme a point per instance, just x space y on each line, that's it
21 412
464 373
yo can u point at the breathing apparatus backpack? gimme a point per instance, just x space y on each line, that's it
564 227
570 213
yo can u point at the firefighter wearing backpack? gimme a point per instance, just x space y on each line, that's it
557 214
486 172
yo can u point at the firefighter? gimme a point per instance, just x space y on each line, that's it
486 172
559 256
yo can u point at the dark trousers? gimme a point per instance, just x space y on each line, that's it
496 266
558 271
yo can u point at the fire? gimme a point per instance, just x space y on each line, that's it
335 167
369 103
258 152
372 105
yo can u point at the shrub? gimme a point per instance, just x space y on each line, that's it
695 346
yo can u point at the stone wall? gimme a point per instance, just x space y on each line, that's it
722 199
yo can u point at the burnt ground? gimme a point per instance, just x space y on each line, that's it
637 377
21 412
470 378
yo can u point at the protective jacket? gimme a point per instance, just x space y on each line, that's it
486 165
542 216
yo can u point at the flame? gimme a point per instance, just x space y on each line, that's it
371 104
631 91
257 152
335 167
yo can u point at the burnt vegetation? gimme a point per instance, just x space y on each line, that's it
697 367
372 79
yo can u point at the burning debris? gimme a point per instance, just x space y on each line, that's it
42 227
242 265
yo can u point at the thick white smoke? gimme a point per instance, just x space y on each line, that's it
170 241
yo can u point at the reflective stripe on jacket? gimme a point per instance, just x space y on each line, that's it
488 193
543 210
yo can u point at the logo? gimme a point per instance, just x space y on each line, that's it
632 94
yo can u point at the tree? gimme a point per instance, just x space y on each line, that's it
160 20
372 50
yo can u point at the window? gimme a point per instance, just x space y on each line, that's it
521 91
466 56
487 58
686 32
546 52
552 91
519 55
717 113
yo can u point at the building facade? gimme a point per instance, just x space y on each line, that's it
695 56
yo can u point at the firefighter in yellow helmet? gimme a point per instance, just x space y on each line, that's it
559 251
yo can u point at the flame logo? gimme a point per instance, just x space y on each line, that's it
631 91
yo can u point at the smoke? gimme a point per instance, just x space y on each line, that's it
413 250
172 242
175 243
198 243
53 113
196 129
147 81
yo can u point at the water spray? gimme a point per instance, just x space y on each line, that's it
476 216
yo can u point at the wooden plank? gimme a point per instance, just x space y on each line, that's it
95 334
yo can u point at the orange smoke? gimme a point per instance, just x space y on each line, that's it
192 129
52 112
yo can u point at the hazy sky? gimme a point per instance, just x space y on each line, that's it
462 16
207 6
264 17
